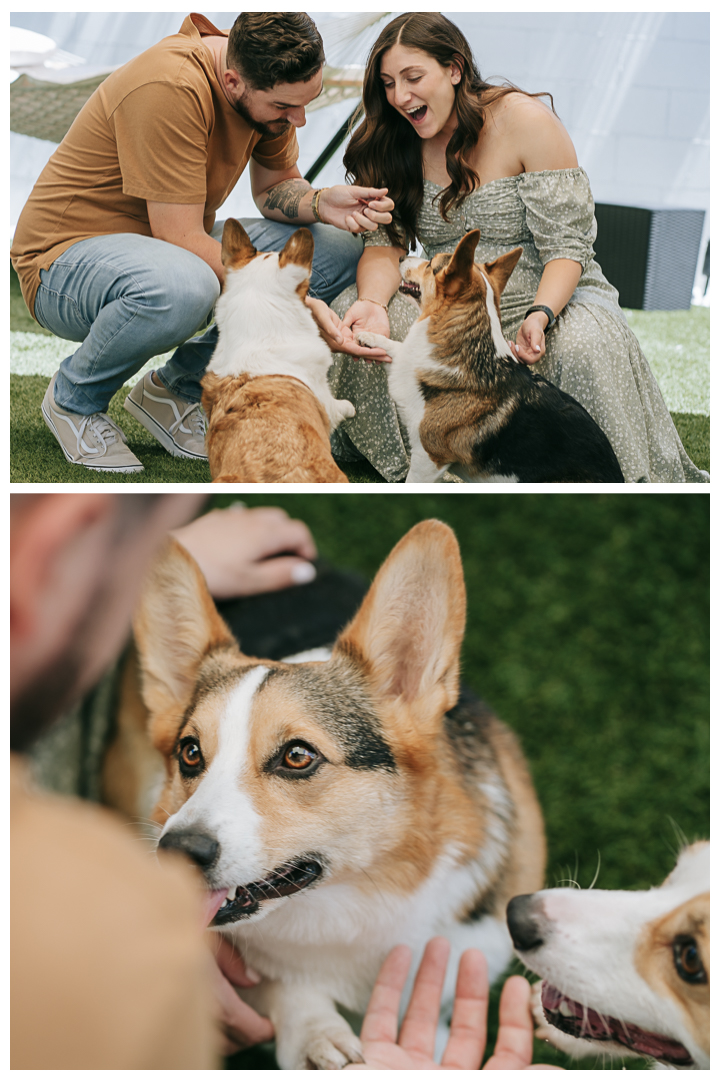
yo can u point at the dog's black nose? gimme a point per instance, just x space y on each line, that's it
525 919
198 846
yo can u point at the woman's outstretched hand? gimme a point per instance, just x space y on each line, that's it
412 1048
364 315
529 346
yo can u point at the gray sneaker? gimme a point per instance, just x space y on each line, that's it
93 441
177 424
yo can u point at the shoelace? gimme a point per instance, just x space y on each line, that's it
102 427
195 418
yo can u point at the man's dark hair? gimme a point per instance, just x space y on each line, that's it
270 47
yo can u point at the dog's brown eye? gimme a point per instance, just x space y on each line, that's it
688 962
298 756
190 758
295 760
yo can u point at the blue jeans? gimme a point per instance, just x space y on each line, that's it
128 298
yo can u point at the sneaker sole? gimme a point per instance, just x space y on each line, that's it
150 424
95 468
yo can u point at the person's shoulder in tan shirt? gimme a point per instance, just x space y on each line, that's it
108 965
159 128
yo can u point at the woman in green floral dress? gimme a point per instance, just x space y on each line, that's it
498 160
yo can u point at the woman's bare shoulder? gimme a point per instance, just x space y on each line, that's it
536 132
516 107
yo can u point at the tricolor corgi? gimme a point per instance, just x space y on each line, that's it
266 329
625 973
466 401
338 807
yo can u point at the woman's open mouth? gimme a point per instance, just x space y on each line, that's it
244 900
417 115
584 1023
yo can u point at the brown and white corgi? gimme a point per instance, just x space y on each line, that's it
267 430
464 398
338 807
625 973
266 329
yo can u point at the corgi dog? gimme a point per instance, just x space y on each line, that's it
267 430
625 973
464 398
266 329
337 806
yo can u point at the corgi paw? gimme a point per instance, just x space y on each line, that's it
333 1050
338 411
370 340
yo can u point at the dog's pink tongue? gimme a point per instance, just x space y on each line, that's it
211 904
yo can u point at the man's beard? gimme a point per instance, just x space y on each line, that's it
277 127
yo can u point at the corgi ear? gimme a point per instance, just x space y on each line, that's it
459 269
408 632
175 626
500 269
237 247
299 250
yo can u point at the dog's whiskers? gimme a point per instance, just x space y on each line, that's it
597 873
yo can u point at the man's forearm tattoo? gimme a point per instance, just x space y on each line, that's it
287 196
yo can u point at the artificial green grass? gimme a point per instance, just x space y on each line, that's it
20 317
677 346
587 631
663 335
36 458
694 432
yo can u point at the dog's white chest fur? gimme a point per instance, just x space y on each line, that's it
409 360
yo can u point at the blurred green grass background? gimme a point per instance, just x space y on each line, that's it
587 631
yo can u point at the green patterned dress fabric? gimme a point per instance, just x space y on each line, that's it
591 352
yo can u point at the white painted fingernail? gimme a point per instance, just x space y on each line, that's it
253 975
303 573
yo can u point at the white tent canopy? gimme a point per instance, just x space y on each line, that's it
631 87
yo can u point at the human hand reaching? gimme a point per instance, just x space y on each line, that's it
366 315
529 345
412 1048
241 1026
328 323
355 209
238 550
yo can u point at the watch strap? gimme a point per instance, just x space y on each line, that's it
542 307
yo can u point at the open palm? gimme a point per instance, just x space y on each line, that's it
412 1048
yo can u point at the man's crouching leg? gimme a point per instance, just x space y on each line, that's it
127 298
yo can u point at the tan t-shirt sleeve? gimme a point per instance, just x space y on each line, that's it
162 136
109 969
277 153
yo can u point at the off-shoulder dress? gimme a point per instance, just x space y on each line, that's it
591 352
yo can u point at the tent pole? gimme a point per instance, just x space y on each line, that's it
337 140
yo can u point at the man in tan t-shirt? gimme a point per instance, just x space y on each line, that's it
118 247
109 966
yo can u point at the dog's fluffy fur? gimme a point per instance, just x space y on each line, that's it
625 972
466 401
270 429
277 431
354 803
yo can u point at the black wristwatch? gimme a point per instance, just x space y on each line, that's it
541 307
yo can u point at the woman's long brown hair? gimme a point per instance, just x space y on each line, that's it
384 150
